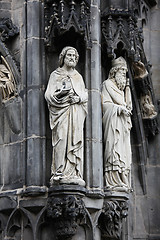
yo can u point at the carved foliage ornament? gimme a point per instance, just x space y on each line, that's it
67 213
62 15
110 221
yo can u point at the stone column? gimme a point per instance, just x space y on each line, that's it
94 158
34 80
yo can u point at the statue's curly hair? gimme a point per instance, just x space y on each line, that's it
63 54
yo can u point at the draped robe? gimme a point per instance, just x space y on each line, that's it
67 123
117 147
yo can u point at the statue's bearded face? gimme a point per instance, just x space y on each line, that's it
120 78
70 58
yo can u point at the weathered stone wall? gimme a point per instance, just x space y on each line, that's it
5 7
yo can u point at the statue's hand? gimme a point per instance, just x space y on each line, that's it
140 70
125 111
74 99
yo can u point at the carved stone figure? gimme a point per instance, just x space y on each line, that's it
140 71
148 109
7 86
67 102
117 106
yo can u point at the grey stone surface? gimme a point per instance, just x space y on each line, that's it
12 165
5 5
35 169
95 104
155 36
155 18
34 11
5 13
153 181
154 217
154 153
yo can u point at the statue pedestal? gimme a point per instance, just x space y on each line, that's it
114 211
66 209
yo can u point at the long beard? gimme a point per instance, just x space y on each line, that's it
70 63
121 82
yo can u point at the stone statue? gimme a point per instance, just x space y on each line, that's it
148 109
117 106
140 71
67 99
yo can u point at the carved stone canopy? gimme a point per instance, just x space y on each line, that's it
61 16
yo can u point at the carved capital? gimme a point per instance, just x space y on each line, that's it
67 212
110 221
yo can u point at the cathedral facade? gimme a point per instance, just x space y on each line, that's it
114 192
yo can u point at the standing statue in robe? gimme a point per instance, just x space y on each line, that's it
67 99
117 106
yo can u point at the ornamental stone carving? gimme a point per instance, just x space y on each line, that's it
148 109
66 212
117 106
61 16
67 102
145 95
7 83
7 29
110 221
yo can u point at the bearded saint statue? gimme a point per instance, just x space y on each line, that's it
67 98
117 106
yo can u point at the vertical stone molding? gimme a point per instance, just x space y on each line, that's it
33 68
94 120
